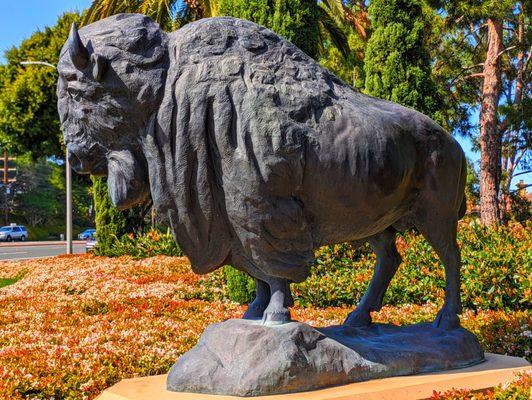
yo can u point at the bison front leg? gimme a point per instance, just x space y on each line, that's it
388 260
280 299
258 305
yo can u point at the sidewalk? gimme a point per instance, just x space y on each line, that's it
42 243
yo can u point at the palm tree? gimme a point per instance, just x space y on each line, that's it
169 14
333 16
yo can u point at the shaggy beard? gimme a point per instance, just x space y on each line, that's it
127 179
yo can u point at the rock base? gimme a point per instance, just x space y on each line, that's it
245 358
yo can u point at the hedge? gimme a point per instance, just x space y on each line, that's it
143 245
496 266
496 270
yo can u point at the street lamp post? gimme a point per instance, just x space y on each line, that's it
68 176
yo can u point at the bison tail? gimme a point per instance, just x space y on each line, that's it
463 204
463 208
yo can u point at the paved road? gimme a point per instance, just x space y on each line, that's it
24 251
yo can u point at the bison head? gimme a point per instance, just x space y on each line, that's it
111 80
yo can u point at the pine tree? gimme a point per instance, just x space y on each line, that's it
397 65
486 49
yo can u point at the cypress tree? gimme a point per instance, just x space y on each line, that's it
257 11
295 20
397 65
111 223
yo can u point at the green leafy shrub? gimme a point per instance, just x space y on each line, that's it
240 286
295 20
397 63
501 331
339 276
149 244
496 269
51 231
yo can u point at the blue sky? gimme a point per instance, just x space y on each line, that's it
20 18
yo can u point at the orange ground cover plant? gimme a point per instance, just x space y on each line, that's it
74 325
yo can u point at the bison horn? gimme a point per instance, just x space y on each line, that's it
78 52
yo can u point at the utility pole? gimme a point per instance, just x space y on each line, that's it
5 181
68 176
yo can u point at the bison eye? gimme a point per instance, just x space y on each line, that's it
74 94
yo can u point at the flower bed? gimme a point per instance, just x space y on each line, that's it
518 389
74 325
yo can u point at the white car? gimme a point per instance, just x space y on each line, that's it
13 232
90 245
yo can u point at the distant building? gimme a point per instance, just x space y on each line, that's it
521 189
507 203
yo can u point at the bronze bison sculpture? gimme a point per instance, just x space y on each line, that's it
256 154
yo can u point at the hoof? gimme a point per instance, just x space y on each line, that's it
358 319
446 319
276 316
254 311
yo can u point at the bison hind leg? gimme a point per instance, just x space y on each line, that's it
440 231
388 260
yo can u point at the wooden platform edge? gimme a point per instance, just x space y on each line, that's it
497 369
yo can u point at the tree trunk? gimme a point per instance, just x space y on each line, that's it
490 141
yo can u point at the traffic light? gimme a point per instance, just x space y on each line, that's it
8 169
